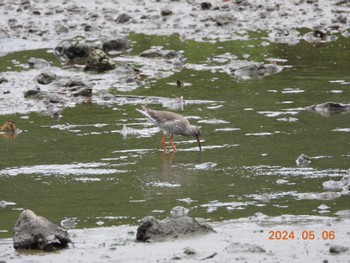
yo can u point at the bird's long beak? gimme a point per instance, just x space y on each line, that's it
199 143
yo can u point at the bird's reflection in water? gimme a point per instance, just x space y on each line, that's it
8 135
170 167
9 130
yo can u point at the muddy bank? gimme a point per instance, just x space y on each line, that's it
69 29
50 22
254 239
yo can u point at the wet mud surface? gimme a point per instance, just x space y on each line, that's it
254 239
30 25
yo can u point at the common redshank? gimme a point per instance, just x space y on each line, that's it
172 123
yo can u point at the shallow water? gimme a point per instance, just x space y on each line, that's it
89 166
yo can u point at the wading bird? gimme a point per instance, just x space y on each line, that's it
172 123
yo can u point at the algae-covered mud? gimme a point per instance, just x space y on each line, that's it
267 82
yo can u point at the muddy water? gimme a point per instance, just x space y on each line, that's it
85 166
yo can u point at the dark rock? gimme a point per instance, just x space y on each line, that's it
36 232
99 61
78 87
189 251
82 91
46 78
123 18
76 82
77 51
338 249
32 94
3 79
36 12
152 229
205 5
118 44
329 108
320 34
73 51
166 12
210 256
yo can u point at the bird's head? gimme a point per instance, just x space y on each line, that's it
196 131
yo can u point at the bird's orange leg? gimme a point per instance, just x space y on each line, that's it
171 143
163 142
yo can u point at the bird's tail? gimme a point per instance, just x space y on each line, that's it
144 111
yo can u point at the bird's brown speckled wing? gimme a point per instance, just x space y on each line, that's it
167 121
164 116
177 127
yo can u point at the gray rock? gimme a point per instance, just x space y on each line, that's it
244 70
38 63
117 44
99 61
329 108
36 232
303 160
62 30
152 229
78 87
69 223
179 211
123 18
244 248
338 249
76 82
224 19
345 184
46 78
159 53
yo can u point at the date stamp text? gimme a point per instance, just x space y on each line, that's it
301 235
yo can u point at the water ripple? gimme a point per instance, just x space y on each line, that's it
62 169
